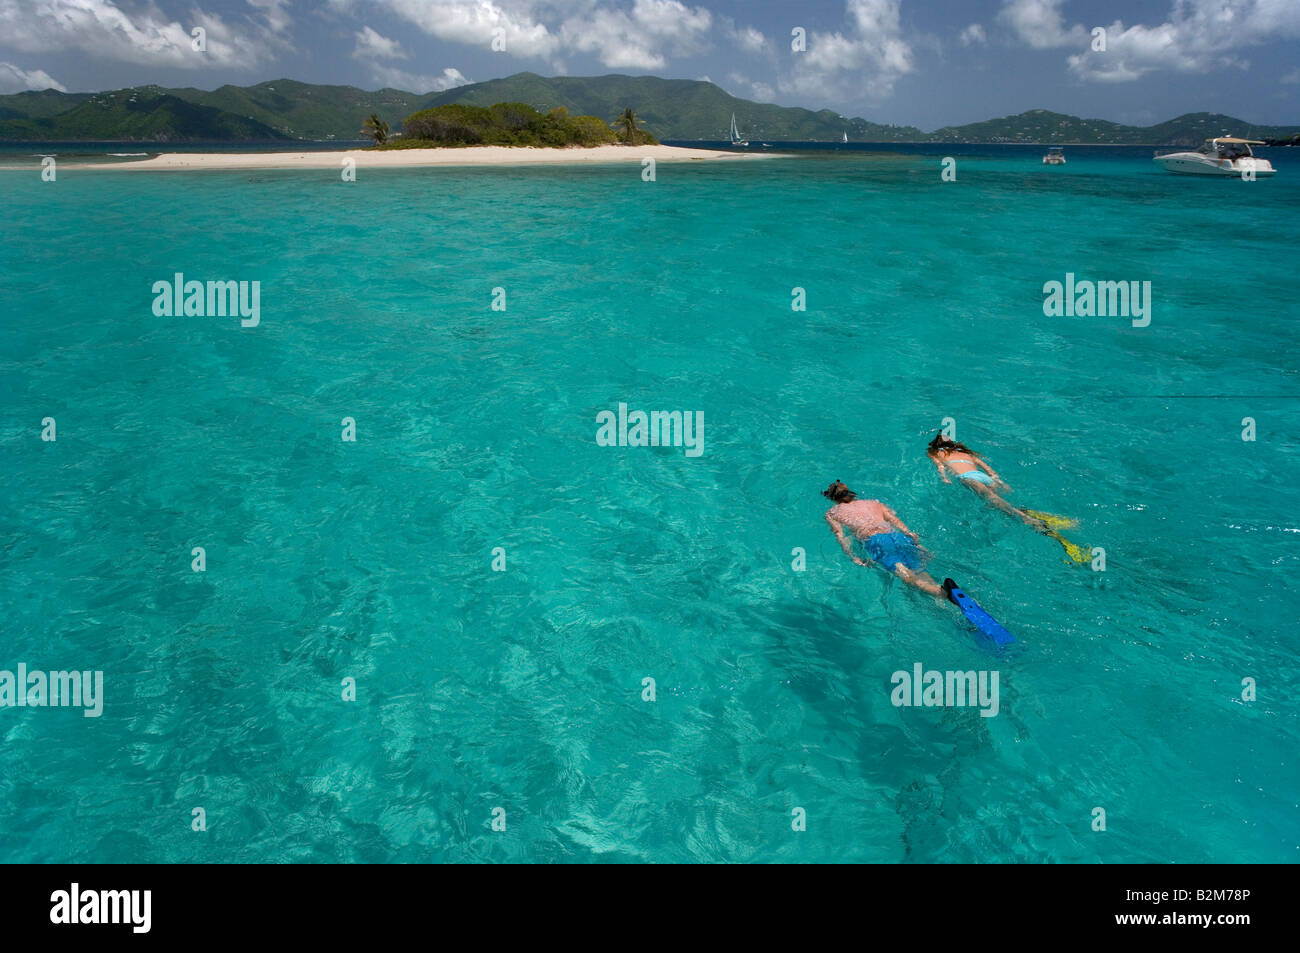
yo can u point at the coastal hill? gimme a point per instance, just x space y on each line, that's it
675 108
279 109
1040 125
671 108
126 115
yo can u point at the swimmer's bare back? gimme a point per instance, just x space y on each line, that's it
867 518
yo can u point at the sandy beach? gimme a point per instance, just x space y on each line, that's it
409 158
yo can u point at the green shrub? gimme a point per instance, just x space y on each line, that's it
504 124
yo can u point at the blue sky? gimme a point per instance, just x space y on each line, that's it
920 62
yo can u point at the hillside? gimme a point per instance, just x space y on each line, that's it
1194 128
671 108
307 111
1040 125
39 105
1037 125
131 115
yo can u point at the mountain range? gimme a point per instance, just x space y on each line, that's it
673 109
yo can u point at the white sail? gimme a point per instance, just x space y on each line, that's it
735 134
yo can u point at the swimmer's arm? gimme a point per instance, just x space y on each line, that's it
838 529
943 469
892 518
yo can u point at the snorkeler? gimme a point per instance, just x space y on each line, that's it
879 536
972 470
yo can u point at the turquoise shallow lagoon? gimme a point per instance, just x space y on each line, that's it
476 429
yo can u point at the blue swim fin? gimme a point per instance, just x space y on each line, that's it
987 625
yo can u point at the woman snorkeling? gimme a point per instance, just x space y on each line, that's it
974 471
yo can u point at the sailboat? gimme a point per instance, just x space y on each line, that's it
735 134
846 138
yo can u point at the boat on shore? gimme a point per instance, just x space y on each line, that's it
1224 156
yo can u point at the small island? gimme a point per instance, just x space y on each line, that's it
506 124
457 134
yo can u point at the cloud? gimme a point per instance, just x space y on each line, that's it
641 34
863 61
1196 36
14 79
973 34
276 16
642 37
1291 77
377 52
417 82
1041 24
751 89
473 23
748 39
371 45
103 30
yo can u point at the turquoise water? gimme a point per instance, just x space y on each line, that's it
476 429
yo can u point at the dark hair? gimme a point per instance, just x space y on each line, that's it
941 444
840 493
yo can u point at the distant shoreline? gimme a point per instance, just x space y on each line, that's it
409 158
977 142
324 145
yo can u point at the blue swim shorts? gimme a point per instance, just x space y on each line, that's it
889 549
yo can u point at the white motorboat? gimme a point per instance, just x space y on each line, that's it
1055 156
1224 156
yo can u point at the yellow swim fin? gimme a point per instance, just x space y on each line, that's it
1076 552
1052 520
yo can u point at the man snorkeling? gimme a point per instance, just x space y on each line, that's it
879 536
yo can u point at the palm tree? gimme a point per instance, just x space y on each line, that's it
376 129
628 123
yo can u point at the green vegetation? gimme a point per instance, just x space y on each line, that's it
39 105
673 108
136 115
305 110
502 124
375 128
1040 125
691 109
630 126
